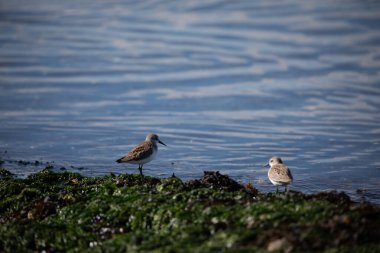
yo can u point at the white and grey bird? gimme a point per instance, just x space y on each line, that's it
143 152
279 173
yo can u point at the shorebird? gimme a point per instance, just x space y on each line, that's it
143 152
278 173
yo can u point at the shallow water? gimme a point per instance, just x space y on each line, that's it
226 85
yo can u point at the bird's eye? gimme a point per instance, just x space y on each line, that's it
271 161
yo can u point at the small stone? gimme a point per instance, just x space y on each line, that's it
30 215
280 244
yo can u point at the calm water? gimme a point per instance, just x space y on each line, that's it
226 85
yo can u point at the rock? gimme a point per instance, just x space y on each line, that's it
216 180
280 244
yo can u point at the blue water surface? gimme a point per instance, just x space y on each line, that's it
225 84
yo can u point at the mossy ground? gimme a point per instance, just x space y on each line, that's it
56 212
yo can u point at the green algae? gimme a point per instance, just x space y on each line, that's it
68 212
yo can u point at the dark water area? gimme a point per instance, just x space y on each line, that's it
225 84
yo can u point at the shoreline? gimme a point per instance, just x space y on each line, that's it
358 194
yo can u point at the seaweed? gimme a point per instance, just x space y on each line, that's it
64 211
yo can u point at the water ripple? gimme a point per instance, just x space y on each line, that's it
226 84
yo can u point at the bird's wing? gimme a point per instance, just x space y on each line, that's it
281 173
289 174
139 152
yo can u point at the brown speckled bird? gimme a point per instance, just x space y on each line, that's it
143 152
278 173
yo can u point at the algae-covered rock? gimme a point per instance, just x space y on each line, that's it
4 174
59 212
213 179
172 185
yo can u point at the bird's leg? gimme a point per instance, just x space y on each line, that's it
286 188
277 189
140 169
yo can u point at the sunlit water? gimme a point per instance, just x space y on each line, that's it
225 84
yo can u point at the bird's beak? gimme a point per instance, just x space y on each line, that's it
162 143
266 165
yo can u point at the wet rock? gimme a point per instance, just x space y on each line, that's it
6 174
333 197
21 162
281 244
213 179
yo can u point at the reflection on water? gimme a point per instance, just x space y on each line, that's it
225 84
